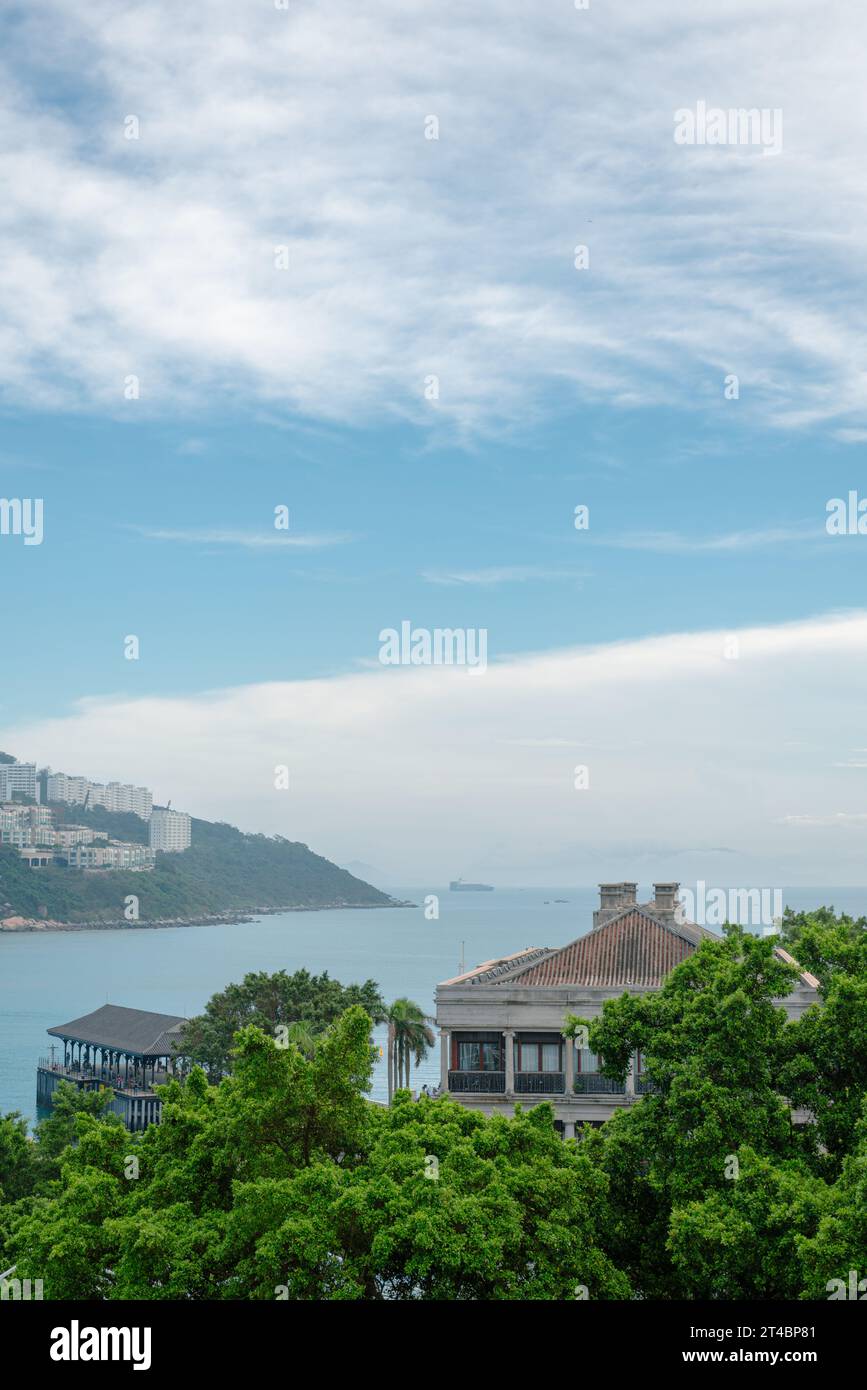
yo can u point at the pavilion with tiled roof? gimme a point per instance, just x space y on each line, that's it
129 1051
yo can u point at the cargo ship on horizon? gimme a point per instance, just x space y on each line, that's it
457 885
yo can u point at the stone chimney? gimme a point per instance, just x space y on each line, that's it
613 897
664 899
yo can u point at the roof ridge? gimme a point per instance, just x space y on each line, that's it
502 965
803 974
646 910
633 947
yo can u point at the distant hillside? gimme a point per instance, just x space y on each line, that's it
224 871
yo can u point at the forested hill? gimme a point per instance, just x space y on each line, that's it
224 871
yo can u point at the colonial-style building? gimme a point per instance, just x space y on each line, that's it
501 1023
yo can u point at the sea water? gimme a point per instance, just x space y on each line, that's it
49 978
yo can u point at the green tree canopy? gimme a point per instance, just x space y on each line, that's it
715 1191
284 1179
268 1001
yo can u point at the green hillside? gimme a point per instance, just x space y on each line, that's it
223 871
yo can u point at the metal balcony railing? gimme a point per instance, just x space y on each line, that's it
477 1082
593 1083
540 1083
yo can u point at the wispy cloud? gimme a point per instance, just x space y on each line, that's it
846 436
395 269
843 819
501 574
674 543
438 788
248 540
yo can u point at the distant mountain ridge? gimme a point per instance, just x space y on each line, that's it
225 872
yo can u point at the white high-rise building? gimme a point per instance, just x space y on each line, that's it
72 790
114 796
18 779
170 831
124 797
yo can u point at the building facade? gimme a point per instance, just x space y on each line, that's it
113 796
18 779
117 854
501 1024
170 831
29 830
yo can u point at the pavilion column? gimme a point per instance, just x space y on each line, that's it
509 1037
569 1058
445 1043
568 1129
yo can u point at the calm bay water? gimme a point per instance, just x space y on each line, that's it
52 977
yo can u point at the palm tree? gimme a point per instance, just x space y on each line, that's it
409 1040
304 1037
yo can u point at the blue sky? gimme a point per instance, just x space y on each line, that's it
243 209
166 533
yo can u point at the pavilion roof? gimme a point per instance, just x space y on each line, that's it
136 1031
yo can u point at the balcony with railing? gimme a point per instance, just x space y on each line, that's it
477 1082
644 1086
593 1083
540 1083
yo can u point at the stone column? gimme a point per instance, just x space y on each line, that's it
569 1057
630 1078
568 1129
445 1041
509 1037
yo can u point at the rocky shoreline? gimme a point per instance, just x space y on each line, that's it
211 919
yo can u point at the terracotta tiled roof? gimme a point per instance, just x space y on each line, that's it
499 965
633 948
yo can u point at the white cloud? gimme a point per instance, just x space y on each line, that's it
671 543
849 436
409 257
855 820
247 540
424 770
500 574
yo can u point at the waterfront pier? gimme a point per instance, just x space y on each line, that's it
127 1051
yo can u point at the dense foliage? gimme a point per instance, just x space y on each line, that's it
223 871
267 1001
716 1190
284 1181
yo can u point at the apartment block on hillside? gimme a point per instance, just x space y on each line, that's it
170 831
